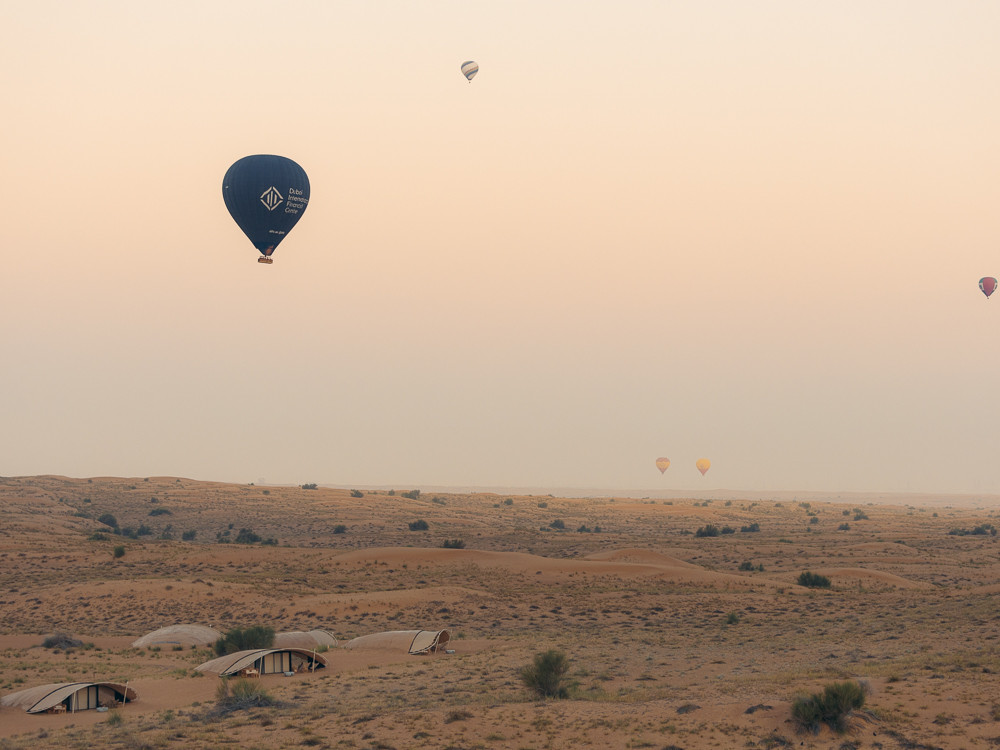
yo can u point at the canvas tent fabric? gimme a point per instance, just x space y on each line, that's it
74 696
265 661
299 639
179 635
407 641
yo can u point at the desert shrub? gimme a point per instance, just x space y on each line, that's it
584 529
161 512
727 530
508 501
457 715
412 494
750 528
119 551
860 515
357 493
558 524
242 695
270 541
238 639
813 580
543 504
437 500
420 525
981 530
813 520
844 527
310 486
247 536
453 544
732 619
61 640
340 529
143 530
188 536
708 530
831 707
108 520
546 675
747 565
97 536
115 719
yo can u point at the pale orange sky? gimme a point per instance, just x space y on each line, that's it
746 231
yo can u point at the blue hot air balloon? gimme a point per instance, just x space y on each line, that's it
266 196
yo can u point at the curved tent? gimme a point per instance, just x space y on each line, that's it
265 661
299 639
409 641
179 635
70 696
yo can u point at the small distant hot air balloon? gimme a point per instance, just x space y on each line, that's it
662 464
469 69
266 195
702 465
988 285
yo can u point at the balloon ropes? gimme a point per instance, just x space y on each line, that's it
987 285
469 69
662 464
266 195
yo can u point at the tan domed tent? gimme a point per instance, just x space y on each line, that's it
260 661
405 641
70 696
179 635
299 639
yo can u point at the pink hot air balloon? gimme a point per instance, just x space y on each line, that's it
988 285
662 464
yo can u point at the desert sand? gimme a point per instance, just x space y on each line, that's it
671 643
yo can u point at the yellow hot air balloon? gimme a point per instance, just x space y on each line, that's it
703 464
662 464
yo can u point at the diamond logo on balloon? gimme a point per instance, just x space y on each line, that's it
271 198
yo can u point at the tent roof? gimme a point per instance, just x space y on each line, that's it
233 663
179 635
43 697
409 641
312 639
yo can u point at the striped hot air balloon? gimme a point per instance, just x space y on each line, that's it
469 69
662 464
988 285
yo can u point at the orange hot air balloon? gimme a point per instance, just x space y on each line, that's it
662 464
987 285
703 464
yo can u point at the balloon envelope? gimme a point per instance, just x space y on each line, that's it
266 195
469 69
703 464
988 285
662 464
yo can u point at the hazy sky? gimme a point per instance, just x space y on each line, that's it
750 231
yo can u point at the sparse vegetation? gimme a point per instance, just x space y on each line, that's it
412 494
189 535
558 525
160 512
243 694
708 530
982 529
62 641
419 525
453 544
357 493
750 528
546 676
310 486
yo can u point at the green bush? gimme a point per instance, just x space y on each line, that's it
310 486
546 675
750 528
244 694
108 520
357 493
247 536
831 707
420 525
412 494
453 544
161 512
558 524
237 639
119 551
340 529
708 530
813 580
188 536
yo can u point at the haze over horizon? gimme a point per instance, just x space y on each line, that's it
746 232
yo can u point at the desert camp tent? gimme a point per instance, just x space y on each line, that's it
70 696
179 635
299 639
406 641
260 661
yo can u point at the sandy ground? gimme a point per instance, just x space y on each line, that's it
675 640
